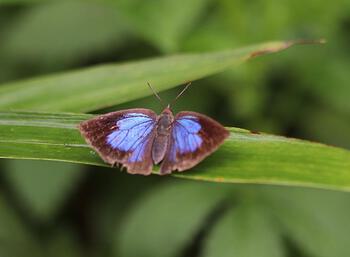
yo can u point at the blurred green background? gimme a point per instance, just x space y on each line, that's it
58 209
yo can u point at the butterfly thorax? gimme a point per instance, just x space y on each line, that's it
161 139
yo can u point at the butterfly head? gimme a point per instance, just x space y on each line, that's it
166 118
167 111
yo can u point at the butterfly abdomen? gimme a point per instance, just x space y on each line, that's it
161 138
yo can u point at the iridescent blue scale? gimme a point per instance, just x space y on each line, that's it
134 128
131 134
185 135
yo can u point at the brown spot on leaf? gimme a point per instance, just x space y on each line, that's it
286 45
255 132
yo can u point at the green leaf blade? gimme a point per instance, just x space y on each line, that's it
245 157
267 159
111 84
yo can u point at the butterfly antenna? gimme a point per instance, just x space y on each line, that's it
182 91
156 95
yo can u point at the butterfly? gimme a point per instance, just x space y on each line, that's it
138 138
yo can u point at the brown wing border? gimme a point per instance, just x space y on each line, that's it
96 130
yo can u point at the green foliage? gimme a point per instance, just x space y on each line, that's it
249 221
42 199
239 227
245 156
147 18
63 209
186 207
313 219
107 85
14 233
34 40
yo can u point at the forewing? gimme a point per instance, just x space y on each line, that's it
123 137
193 137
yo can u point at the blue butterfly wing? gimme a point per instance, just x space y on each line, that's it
123 137
193 137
